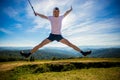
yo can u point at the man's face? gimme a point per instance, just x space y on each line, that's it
55 13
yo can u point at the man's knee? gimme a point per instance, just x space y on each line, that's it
65 41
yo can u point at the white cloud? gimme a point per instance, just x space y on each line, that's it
11 12
94 33
96 39
18 26
15 13
38 24
5 31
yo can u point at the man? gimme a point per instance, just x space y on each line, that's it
56 24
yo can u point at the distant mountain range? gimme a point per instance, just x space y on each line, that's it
59 52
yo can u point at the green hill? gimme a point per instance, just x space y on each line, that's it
70 69
53 53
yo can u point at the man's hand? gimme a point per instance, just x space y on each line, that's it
67 12
36 13
71 8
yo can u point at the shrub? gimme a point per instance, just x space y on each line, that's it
41 69
68 67
54 58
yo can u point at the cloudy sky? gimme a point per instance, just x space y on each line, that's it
92 22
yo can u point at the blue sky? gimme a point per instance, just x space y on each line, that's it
92 22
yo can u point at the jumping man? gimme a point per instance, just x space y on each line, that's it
56 24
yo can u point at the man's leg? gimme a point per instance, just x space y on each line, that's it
65 41
44 42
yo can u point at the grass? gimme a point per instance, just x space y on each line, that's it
83 74
11 65
93 69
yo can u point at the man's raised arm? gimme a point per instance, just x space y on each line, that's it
41 15
67 12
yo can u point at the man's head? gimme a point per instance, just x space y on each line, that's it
56 12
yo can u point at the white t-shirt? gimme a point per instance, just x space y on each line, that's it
56 23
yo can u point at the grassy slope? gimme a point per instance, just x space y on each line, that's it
81 74
10 65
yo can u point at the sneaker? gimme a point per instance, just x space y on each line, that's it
26 55
86 53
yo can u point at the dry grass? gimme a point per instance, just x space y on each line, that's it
83 74
113 73
10 65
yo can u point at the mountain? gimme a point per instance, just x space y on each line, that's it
60 53
106 53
